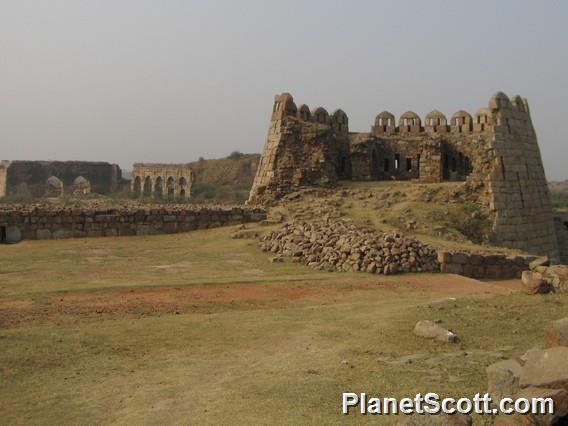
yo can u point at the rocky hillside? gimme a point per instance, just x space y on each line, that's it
224 180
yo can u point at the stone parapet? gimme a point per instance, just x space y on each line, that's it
58 223
483 265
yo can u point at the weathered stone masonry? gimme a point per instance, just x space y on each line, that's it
37 178
170 181
41 224
495 153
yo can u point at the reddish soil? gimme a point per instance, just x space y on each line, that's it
141 302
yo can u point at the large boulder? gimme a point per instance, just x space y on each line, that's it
533 284
432 330
557 334
558 396
547 368
503 379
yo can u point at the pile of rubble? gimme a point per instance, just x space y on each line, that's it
339 246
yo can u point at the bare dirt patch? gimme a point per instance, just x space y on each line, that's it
142 302
148 301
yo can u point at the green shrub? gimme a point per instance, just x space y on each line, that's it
559 200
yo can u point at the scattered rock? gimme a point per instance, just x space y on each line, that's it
244 234
557 334
431 330
560 398
546 368
503 379
540 261
534 285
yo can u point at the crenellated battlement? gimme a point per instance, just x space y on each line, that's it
500 108
284 107
435 122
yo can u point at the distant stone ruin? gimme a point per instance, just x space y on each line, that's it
55 178
495 153
162 181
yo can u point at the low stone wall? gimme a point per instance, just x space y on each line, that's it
483 265
42 224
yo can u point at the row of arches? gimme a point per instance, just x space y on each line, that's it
160 188
54 187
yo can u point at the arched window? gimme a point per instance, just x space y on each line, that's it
171 188
147 186
159 187
137 188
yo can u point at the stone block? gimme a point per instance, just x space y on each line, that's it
557 334
43 234
547 368
13 234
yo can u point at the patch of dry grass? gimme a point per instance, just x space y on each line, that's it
262 348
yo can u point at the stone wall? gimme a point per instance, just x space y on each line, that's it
30 178
483 265
3 175
51 223
561 225
171 181
302 148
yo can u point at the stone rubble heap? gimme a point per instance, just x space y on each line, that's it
339 246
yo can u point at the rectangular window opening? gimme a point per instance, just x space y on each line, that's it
396 161
386 165
2 234
409 164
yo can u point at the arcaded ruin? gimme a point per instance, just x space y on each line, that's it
57 178
494 152
163 181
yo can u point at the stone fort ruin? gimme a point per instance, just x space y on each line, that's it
56 178
495 153
169 181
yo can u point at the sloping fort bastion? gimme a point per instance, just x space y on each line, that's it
495 153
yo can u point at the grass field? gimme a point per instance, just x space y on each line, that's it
199 328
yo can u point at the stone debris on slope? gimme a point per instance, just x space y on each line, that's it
339 246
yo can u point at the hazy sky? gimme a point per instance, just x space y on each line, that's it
170 81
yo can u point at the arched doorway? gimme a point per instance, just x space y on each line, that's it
137 188
182 183
374 164
147 186
159 187
171 188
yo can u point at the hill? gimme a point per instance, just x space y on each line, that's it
224 180
559 194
